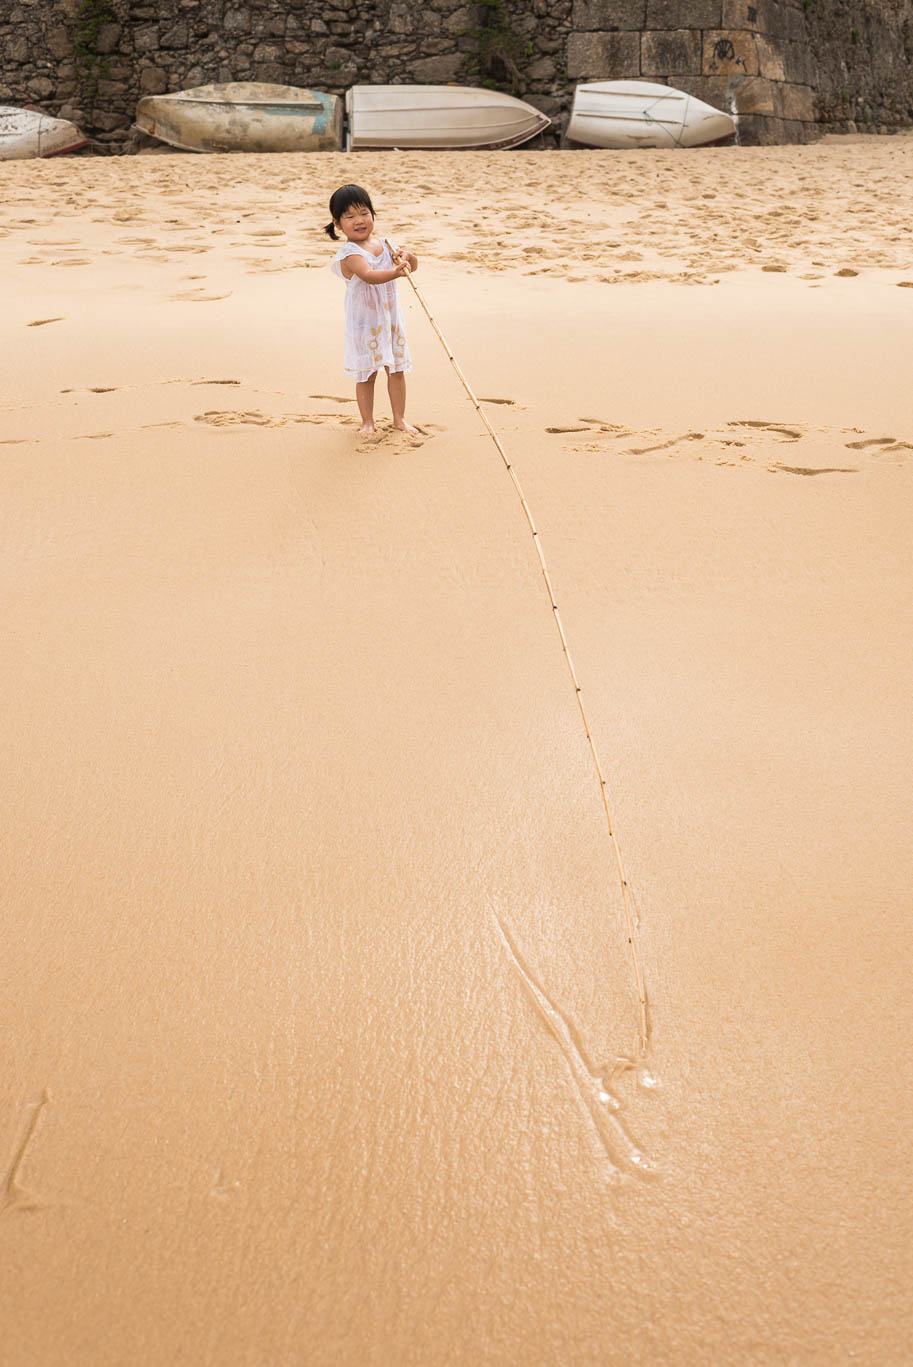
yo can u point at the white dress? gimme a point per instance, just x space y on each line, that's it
375 327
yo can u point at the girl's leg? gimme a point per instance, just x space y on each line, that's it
364 396
396 387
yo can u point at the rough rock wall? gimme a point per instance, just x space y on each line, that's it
786 66
864 53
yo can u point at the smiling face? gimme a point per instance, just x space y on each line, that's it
356 223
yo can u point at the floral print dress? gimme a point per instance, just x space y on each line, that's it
375 327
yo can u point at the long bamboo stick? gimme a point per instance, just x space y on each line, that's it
625 895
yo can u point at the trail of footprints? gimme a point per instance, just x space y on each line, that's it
741 441
237 418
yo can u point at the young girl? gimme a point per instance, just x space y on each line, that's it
375 327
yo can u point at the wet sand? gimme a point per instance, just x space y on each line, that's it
323 1039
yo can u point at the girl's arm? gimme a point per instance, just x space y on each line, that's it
357 265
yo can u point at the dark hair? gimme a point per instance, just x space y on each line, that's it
347 197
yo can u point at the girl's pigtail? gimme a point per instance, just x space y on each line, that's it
330 231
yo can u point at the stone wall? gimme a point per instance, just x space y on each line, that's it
864 52
786 66
750 58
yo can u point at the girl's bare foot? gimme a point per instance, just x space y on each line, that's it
367 429
403 426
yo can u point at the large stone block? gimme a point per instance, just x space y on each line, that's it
460 21
675 53
273 73
757 130
799 64
402 18
797 25
543 69
730 52
59 41
756 96
603 56
678 14
798 102
762 16
437 70
146 39
236 21
152 81
175 36
800 132
716 90
608 15
770 59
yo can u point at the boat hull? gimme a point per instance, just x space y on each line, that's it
244 116
446 117
627 114
28 133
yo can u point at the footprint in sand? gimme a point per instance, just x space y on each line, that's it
253 418
664 446
870 441
198 297
334 398
229 382
807 470
790 432
386 434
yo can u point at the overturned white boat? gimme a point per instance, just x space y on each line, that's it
244 116
450 117
29 133
642 114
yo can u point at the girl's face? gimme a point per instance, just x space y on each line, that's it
357 223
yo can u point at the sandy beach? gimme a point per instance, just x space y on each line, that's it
322 1030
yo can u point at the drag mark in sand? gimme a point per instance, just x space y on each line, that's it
595 1083
14 1197
644 1032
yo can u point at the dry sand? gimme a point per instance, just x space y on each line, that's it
288 739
